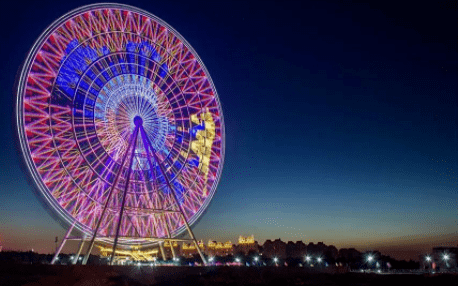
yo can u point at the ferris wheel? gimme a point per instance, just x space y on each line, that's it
120 127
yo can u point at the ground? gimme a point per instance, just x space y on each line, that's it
34 275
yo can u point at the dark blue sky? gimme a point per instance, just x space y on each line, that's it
340 120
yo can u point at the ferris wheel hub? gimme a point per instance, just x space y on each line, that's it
138 121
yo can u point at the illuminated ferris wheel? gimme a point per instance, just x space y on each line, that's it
120 126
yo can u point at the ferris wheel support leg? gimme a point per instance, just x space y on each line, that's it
173 250
91 244
62 243
148 157
200 252
169 236
129 171
80 247
143 134
161 247
195 242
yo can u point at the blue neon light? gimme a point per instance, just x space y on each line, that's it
196 128
78 58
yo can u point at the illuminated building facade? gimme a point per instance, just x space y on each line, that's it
135 253
247 244
246 240
189 249
215 248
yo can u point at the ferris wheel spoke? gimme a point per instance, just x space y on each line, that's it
129 170
107 202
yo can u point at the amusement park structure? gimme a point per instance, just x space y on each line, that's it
121 129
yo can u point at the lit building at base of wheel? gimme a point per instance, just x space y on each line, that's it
132 254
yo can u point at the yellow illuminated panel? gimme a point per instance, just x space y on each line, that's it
202 146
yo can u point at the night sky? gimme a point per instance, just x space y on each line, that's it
341 121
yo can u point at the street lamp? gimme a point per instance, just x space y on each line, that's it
319 259
429 260
370 258
446 257
308 258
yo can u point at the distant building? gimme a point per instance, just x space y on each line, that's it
296 250
316 249
247 244
331 252
215 248
350 255
189 249
441 258
301 248
291 250
276 248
